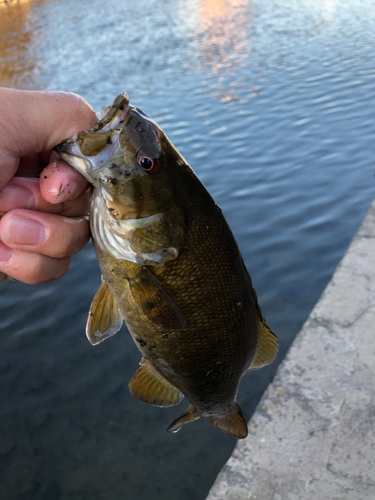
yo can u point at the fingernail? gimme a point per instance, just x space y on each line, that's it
23 231
5 252
16 197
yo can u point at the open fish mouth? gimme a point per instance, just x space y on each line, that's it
109 155
88 151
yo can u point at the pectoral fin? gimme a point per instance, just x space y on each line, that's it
151 388
104 318
155 301
267 347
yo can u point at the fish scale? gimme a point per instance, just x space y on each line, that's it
173 272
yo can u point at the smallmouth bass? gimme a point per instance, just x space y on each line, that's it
171 269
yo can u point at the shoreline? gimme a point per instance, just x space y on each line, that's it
312 435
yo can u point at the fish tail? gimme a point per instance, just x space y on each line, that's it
189 415
233 424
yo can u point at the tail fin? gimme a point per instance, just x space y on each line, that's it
189 415
233 424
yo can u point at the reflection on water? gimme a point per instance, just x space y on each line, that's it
272 102
223 29
18 63
12 3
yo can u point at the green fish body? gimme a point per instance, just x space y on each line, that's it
171 269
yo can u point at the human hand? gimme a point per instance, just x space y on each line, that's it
42 220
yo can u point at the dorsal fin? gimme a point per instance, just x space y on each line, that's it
156 303
104 319
151 388
233 424
267 347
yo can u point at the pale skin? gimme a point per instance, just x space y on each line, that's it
43 202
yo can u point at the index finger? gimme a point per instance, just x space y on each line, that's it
25 193
32 122
59 182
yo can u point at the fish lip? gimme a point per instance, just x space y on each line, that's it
60 148
121 103
117 111
70 150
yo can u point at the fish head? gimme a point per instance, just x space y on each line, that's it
123 157
133 167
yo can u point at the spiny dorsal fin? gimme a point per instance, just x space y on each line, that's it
189 415
156 303
233 424
267 347
104 318
151 388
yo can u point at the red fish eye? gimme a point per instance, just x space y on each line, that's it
150 166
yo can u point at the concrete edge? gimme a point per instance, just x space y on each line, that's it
312 435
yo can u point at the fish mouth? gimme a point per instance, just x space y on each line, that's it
89 150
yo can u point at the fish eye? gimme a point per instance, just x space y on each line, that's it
149 165
140 127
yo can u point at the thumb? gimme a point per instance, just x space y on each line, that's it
32 122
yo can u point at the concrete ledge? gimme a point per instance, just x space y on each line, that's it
313 433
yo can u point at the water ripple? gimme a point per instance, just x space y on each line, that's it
272 103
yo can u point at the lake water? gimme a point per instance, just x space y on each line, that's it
272 102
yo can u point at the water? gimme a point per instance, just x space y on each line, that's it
272 103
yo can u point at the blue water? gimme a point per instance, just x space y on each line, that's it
272 102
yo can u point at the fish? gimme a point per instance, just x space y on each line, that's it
171 269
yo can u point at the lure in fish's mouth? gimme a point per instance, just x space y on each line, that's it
89 150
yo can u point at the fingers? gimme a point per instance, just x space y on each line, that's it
59 182
43 224
26 193
43 233
30 267
32 122
35 247
37 238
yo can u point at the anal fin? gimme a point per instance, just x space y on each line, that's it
104 318
267 347
151 388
